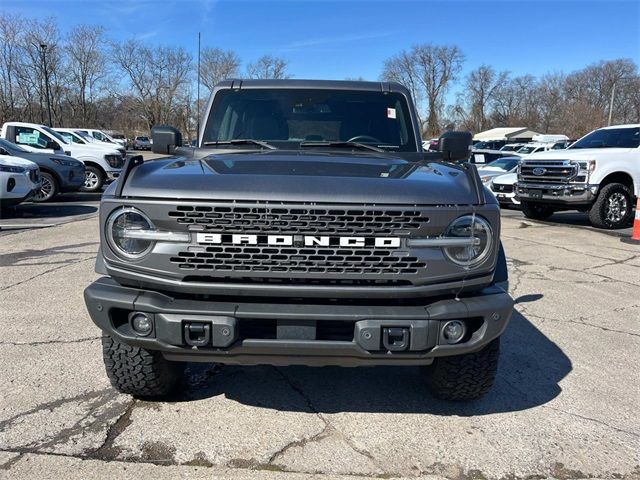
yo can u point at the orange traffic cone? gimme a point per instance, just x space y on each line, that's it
635 234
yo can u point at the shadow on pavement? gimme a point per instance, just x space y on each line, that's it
56 210
530 370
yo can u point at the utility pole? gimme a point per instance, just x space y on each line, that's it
43 49
198 99
613 94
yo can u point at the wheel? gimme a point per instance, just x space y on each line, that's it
139 372
49 188
537 211
613 207
93 179
464 377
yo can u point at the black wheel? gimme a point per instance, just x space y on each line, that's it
139 372
93 179
464 377
535 210
49 188
613 207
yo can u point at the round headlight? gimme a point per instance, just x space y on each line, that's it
472 227
124 221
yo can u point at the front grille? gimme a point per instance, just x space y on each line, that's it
284 220
501 188
297 261
555 171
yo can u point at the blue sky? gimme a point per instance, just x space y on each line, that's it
338 39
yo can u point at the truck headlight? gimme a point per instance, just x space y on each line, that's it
115 161
470 226
119 226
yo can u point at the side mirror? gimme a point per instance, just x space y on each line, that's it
51 145
3 151
165 139
455 146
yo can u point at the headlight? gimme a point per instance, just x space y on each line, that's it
119 224
470 226
12 169
66 163
115 161
485 179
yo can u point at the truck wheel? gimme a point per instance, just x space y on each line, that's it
613 207
464 377
139 372
93 179
49 188
535 210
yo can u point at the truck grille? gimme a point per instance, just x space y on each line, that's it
284 220
501 188
296 261
553 171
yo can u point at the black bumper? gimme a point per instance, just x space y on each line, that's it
297 333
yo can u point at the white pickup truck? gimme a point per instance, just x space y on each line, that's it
599 174
101 165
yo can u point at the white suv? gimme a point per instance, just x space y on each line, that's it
101 164
19 180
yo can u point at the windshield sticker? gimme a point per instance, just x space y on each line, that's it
28 138
391 113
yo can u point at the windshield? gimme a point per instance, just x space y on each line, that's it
86 136
143 139
292 116
529 149
503 163
11 146
56 135
510 148
610 138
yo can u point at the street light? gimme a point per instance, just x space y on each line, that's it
613 94
43 49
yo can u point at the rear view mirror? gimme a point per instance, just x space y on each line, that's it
165 139
455 146
51 145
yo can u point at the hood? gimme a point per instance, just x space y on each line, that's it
577 153
302 177
16 162
507 179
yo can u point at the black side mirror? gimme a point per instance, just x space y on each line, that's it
165 139
3 151
455 146
51 145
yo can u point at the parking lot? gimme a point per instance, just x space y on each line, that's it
564 404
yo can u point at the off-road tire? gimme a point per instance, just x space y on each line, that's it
464 377
99 176
53 188
598 211
536 210
139 372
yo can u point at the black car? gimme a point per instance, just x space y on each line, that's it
60 173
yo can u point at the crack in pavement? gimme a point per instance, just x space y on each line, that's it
49 342
66 264
107 451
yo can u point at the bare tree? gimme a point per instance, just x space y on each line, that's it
268 67
428 70
401 69
217 65
86 65
481 86
10 27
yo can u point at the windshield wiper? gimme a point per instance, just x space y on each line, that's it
240 141
362 146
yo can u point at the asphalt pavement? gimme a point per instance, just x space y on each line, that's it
565 403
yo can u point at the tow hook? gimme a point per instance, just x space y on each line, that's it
197 334
395 339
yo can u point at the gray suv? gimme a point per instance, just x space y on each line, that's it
308 227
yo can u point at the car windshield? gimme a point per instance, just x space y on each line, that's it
288 117
11 146
503 163
510 148
528 149
143 139
610 138
56 135
86 136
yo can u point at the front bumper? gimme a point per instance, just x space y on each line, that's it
563 194
322 333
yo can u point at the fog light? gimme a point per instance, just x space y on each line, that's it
453 331
141 324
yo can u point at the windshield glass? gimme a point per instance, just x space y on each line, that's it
529 149
86 136
503 163
56 135
510 148
11 146
291 116
143 139
610 138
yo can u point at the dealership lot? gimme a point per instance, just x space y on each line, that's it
564 405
